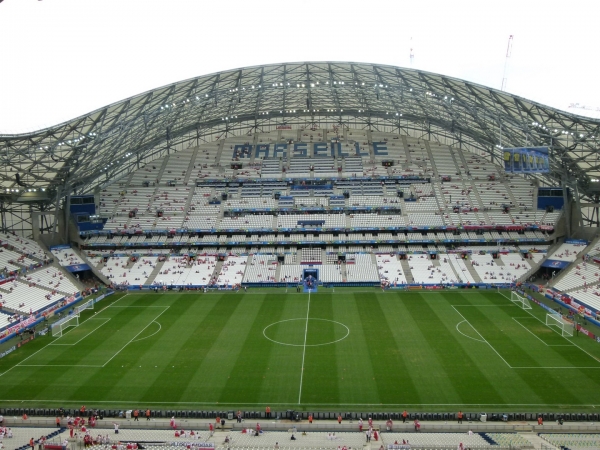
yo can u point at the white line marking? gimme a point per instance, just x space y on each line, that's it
134 306
132 339
306 345
537 337
567 367
484 339
565 405
564 337
479 306
35 353
57 365
159 328
304 348
91 318
463 321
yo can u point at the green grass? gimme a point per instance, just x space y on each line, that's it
348 350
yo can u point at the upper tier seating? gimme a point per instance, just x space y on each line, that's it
23 245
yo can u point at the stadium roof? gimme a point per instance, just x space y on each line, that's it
105 144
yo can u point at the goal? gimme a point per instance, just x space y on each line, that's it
523 302
61 325
88 305
556 320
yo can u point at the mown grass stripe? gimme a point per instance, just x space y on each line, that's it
466 376
321 375
387 360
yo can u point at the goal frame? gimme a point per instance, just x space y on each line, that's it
523 302
87 305
59 327
556 320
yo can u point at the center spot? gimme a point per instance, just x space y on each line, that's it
318 332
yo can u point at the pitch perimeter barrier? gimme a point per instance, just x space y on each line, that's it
324 426
325 285
41 319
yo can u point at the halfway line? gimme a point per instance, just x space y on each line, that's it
304 349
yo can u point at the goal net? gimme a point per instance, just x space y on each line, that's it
88 305
556 320
523 302
61 325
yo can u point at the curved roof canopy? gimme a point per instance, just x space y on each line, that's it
98 147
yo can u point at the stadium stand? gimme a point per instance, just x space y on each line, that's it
67 257
583 274
567 252
581 441
390 269
433 198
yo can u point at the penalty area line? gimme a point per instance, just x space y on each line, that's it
134 338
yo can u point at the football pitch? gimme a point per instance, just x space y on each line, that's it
348 350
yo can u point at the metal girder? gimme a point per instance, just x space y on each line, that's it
91 149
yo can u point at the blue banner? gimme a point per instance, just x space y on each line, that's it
60 247
556 264
78 268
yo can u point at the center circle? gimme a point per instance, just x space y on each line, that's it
316 332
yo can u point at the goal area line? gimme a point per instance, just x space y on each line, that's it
484 340
106 320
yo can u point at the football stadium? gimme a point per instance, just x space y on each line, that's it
308 246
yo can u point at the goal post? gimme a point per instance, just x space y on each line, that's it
522 302
556 320
61 325
87 305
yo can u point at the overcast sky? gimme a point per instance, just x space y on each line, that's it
63 58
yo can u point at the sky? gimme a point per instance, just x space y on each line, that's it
60 59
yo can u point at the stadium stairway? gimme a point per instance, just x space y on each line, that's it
344 272
277 269
348 222
506 183
538 442
190 171
188 202
407 272
477 196
405 147
436 175
461 162
456 274
217 270
472 271
161 171
155 272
